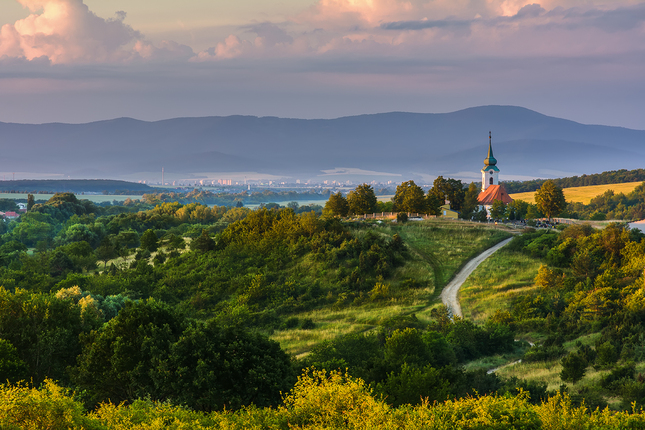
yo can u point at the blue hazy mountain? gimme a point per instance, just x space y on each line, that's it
413 145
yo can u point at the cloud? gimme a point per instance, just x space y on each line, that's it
66 31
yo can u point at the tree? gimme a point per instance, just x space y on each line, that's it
106 251
12 368
409 197
149 241
574 367
203 243
448 189
481 215
362 200
212 367
44 330
120 361
498 209
471 203
518 208
336 205
550 199
30 202
433 203
532 212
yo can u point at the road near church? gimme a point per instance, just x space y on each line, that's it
450 292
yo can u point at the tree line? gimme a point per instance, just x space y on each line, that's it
609 177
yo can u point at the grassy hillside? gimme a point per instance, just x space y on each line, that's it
506 274
437 248
583 194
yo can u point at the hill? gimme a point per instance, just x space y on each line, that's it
74 186
583 194
395 146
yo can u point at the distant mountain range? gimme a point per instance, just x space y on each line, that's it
397 145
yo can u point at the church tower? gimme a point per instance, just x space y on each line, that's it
490 171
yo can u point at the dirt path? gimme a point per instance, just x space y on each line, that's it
449 293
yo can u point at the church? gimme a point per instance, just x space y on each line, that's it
491 189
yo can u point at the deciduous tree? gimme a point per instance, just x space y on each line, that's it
409 197
362 200
149 241
448 189
550 199
336 205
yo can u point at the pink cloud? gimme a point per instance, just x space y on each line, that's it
66 31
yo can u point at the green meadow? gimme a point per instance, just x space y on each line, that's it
495 282
437 250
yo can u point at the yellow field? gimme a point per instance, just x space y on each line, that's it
583 194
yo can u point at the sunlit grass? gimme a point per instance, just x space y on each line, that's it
330 323
495 282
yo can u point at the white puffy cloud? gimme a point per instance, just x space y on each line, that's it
66 31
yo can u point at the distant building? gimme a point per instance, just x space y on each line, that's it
11 215
491 189
446 212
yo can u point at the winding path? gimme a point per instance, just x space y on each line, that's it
449 293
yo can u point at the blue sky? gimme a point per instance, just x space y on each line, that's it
77 61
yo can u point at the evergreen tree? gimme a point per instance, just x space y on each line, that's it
574 367
471 204
30 202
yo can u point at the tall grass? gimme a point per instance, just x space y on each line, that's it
495 282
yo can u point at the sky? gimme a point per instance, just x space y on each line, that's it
85 60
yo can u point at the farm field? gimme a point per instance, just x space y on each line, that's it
583 194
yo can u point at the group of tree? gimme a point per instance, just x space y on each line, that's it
591 282
408 198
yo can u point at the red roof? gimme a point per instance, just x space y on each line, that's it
492 193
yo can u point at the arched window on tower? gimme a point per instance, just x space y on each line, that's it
490 181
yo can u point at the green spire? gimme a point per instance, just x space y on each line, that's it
490 160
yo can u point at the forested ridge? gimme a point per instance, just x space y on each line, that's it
609 177
168 310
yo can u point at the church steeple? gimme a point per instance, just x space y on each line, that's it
490 160
490 171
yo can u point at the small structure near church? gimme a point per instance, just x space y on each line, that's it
491 189
446 212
